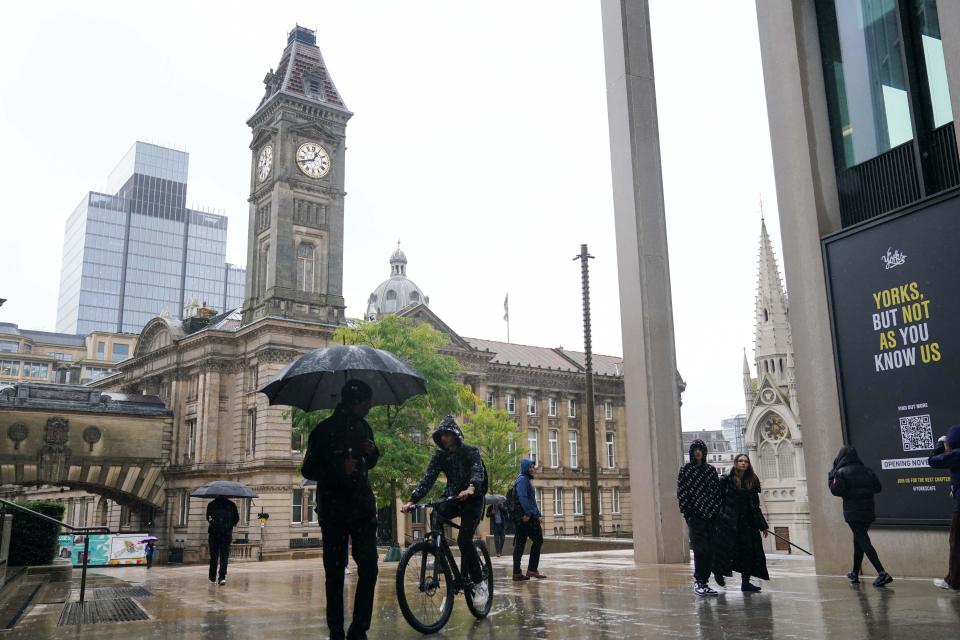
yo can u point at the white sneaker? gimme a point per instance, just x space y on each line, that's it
222 581
942 584
480 595
703 589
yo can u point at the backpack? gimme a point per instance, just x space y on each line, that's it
514 510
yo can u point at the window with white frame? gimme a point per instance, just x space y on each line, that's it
599 501
491 399
553 440
252 431
608 410
611 451
183 508
573 439
558 501
577 501
306 261
191 439
311 506
416 516
615 500
531 405
552 407
296 507
245 511
540 498
571 408
533 444
296 438
511 403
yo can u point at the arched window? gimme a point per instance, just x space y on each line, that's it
391 295
781 365
766 366
263 268
766 316
414 297
768 462
306 262
787 460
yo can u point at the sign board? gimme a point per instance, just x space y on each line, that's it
105 549
895 309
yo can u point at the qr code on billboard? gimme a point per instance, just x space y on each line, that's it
917 433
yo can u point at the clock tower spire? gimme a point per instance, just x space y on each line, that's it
295 246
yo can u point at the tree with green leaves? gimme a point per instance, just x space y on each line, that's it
496 434
403 433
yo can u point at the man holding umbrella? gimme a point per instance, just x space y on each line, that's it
222 516
340 452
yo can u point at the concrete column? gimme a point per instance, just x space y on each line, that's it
646 311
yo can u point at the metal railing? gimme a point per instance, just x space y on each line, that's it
85 531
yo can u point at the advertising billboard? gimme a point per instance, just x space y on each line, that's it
105 549
893 294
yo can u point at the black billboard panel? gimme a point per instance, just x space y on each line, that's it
894 289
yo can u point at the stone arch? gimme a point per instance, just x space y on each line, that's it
158 333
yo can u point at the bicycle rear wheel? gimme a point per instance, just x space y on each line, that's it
424 588
484 555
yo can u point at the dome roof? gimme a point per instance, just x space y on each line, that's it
397 292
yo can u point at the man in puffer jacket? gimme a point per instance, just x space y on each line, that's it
856 483
698 492
947 456
467 480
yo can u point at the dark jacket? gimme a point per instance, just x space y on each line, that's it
943 459
497 510
856 483
698 487
342 497
222 516
739 523
462 466
526 494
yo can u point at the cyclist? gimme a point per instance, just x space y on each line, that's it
467 480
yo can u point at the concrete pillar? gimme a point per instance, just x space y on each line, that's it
646 311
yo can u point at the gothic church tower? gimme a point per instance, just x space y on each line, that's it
772 431
295 247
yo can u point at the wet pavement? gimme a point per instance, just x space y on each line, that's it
596 595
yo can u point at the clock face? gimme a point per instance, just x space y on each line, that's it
264 163
313 160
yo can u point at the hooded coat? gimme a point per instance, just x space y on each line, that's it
737 544
698 486
462 466
525 491
856 483
943 459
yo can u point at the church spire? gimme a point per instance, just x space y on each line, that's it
773 343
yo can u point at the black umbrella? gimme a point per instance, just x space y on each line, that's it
224 489
314 380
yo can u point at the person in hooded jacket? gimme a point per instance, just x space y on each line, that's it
467 480
340 452
698 494
856 483
528 524
739 524
946 455
222 516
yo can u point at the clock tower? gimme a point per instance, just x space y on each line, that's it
295 248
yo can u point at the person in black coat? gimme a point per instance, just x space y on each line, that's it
498 523
222 516
856 483
698 496
739 525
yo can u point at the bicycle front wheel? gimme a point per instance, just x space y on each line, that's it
480 610
424 588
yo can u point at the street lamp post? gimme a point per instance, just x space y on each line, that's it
584 257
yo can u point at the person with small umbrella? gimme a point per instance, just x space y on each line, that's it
222 516
149 549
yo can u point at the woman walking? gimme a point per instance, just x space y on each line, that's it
946 455
856 483
739 525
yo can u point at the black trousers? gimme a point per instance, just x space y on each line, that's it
534 532
862 545
499 535
363 536
219 554
470 512
701 543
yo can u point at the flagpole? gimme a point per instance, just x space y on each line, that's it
506 313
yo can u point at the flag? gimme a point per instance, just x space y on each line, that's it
506 307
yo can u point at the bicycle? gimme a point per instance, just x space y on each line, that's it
428 578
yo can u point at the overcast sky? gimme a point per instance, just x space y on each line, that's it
479 140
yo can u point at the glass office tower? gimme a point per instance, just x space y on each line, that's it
140 252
